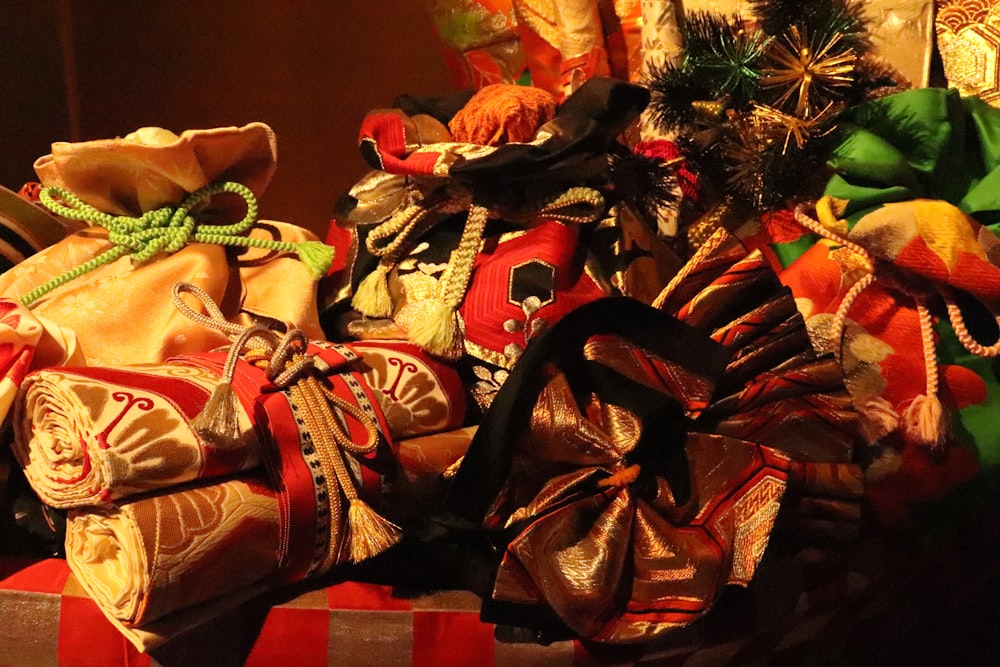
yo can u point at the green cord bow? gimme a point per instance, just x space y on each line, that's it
167 230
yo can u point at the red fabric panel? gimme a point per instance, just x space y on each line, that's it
364 597
46 576
451 639
291 636
189 397
87 638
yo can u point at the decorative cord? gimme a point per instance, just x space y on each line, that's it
167 230
288 365
434 325
957 321
924 419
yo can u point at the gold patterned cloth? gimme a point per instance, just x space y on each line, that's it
92 436
153 167
143 559
968 38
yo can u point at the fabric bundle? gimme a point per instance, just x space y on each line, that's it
470 249
153 209
91 436
167 491
633 466
895 272
145 559
620 522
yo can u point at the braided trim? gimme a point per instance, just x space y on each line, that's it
957 321
167 230
456 276
839 323
214 320
929 349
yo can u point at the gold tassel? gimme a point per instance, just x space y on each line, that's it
372 298
219 421
369 533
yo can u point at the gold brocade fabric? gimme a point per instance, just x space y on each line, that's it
614 555
153 167
120 313
968 37
93 437
142 560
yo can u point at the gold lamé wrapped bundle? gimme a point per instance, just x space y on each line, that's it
172 515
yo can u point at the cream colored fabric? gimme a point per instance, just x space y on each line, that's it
144 559
90 439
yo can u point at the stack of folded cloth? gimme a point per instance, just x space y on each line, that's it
164 516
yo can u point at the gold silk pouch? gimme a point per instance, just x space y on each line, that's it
117 308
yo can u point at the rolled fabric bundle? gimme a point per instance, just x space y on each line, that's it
142 560
91 436
164 560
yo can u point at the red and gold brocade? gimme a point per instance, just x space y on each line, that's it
602 532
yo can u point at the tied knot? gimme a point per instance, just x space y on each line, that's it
168 229
363 532
290 361
163 230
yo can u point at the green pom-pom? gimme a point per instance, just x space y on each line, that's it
372 297
318 257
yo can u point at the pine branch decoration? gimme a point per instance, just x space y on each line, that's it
725 54
755 105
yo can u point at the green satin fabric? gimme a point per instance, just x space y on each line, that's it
926 143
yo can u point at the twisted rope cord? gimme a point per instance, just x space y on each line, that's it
435 325
839 323
288 365
167 230
930 353
214 320
957 321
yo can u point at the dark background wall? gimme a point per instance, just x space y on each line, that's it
77 70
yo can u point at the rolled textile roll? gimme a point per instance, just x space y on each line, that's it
90 436
146 558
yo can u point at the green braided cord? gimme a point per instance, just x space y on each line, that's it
167 230
104 258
